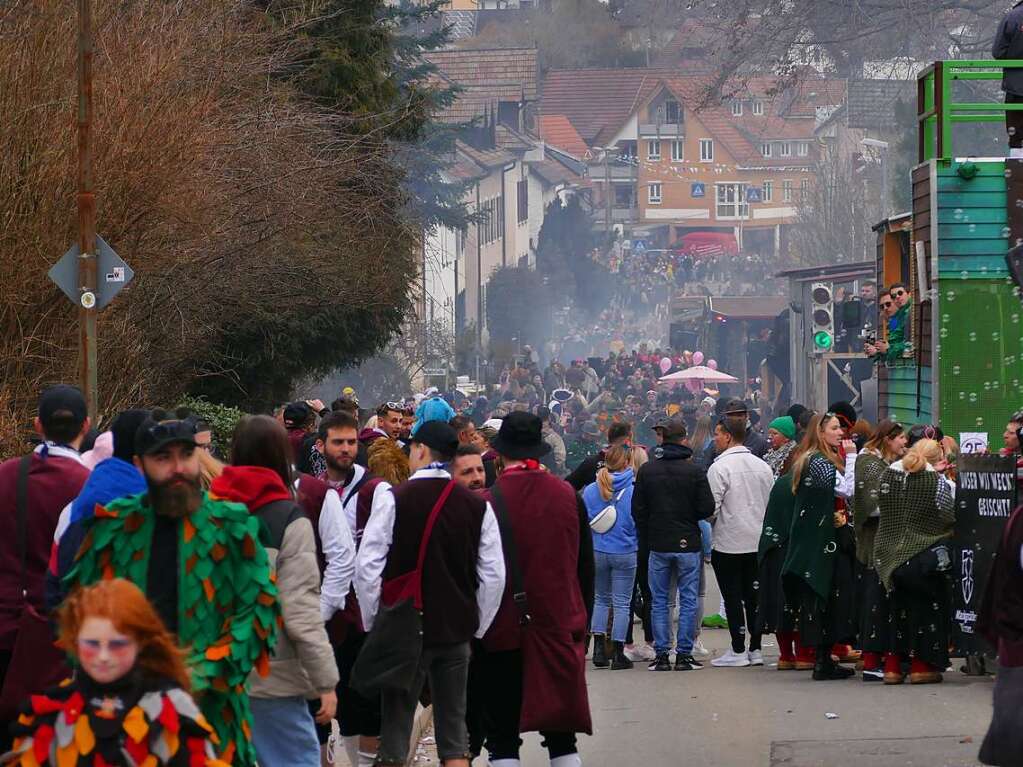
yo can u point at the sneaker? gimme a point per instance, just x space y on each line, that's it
731 659
873 675
661 663
640 652
687 663
756 658
699 651
715 622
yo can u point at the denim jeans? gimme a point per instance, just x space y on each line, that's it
615 577
686 567
283 732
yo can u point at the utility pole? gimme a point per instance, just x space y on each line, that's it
87 309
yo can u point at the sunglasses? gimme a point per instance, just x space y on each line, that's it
886 304
898 293
897 429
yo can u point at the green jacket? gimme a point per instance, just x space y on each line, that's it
778 517
869 468
898 332
227 600
812 543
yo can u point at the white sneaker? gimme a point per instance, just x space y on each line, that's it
756 658
699 651
640 652
731 659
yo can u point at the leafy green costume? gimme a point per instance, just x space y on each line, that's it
228 612
812 544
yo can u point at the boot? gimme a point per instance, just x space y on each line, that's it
825 669
806 657
921 672
893 669
786 650
618 658
599 652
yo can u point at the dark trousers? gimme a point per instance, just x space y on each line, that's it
447 667
643 581
737 578
501 683
1014 122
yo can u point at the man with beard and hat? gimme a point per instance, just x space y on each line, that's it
200 562
545 611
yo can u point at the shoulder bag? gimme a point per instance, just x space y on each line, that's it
36 662
605 519
389 658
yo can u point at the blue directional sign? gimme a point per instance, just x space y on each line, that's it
754 194
699 189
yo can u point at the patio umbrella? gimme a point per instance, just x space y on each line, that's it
700 373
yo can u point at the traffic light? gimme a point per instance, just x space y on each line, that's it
822 317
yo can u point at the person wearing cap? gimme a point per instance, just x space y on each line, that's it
781 433
463 579
670 498
55 476
548 548
151 539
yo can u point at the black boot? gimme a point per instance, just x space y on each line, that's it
619 660
825 669
600 652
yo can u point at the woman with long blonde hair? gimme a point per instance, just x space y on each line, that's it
819 581
614 551
913 560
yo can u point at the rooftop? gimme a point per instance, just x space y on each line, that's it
557 131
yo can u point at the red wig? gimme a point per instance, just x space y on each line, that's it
124 605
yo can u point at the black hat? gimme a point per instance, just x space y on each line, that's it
521 436
671 429
846 413
296 414
124 428
735 406
154 434
63 402
438 436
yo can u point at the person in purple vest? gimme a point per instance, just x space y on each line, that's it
463 579
543 621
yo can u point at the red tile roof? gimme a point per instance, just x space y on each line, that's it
485 77
557 131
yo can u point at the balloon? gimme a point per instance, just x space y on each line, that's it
712 364
694 384
698 358
665 365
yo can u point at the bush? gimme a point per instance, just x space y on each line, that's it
221 418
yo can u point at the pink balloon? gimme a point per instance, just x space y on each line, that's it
712 364
665 364
697 358
694 384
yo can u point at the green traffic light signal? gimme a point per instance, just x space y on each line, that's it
822 340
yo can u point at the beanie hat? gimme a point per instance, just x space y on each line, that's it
784 425
124 428
432 409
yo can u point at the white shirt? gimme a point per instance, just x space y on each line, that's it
845 483
339 552
60 451
350 495
376 545
741 484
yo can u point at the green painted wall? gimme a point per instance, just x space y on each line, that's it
903 401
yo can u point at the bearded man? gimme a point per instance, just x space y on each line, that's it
200 563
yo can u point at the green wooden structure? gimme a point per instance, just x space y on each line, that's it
966 370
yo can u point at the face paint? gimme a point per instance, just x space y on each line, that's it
105 653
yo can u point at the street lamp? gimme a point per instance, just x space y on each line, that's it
882 147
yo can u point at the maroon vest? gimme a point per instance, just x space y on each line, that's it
311 494
352 615
544 518
450 614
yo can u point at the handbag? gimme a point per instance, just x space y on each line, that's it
389 658
606 518
36 662
554 697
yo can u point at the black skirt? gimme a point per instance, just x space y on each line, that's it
1003 744
824 622
874 614
921 613
773 612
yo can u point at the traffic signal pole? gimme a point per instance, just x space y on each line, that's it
86 215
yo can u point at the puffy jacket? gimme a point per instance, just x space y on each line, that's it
670 498
303 662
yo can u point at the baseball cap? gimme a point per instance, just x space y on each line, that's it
671 428
61 403
154 435
438 436
296 414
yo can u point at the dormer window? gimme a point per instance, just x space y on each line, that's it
672 112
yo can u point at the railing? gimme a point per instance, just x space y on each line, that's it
937 112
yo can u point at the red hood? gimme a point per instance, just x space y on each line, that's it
255 486
368 435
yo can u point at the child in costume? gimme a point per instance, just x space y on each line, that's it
128 702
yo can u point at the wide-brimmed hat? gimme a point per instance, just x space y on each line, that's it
521 436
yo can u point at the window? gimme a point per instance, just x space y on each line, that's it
758 108
672 112
785 148
804 189
803 148
737 108
522 201
653 149
491 228
623 195
677 151
786 191
765 149
654 194
731 201
768 191
706 150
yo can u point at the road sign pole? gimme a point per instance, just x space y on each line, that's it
86 215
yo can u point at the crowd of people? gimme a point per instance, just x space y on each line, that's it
302 593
